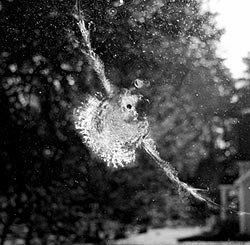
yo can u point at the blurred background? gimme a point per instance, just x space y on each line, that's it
52 189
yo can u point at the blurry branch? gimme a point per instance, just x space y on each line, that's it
178 81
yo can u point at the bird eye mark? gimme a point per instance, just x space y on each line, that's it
129 106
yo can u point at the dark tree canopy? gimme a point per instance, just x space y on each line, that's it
50 182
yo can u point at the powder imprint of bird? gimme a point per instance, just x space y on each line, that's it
111 126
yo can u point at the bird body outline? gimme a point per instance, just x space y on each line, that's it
111 126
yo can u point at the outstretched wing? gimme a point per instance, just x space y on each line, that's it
94 60
150 147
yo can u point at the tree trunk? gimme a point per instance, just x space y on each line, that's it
28 236
5 232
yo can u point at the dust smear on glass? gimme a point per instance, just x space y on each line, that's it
110 124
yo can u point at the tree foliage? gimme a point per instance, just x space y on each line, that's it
49 181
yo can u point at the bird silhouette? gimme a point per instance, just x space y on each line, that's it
111 127
110 124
